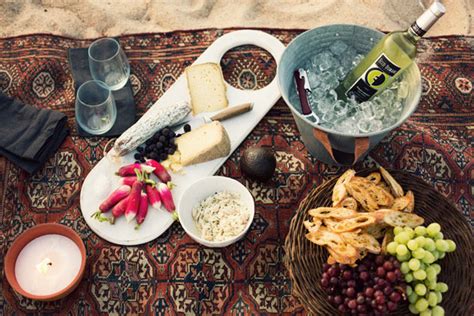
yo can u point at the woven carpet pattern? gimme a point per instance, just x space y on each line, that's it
174 275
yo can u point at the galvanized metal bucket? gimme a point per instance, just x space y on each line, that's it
330 146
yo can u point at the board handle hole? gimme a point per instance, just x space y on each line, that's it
248 67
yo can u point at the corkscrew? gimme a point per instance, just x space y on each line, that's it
303 89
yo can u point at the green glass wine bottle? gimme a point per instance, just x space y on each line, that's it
387 60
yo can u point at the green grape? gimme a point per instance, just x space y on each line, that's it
426 312
433 229
420 289
404 258
413 298
439 296
414 264
421 304
397 230
437 311
451 245
442 287
405 268
436 254
408 277
412 244
410 232
420 240
436 267
419 275
420 230
428 258
442 255
402 250
402 238
409 290
423 266
438 236
442 245
429 244
419 253
413 309
392 247
432 299
431 284
430 273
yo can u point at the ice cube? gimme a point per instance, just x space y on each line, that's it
347 126
357 59
340 108
340 72
338 48
403 90
324 105
329 79
367 110
376 125
363 125
313 79
387 96
329 116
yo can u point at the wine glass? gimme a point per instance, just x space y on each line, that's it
95 107
108 63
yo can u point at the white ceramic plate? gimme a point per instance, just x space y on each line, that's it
238 128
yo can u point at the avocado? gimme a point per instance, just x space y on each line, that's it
258 163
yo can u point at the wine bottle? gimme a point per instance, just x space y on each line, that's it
387 60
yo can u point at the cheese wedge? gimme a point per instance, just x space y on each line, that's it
205 143
206 87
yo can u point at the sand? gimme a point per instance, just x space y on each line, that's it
95 18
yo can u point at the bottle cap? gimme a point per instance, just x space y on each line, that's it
428 18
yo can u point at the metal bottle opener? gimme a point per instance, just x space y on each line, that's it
302 89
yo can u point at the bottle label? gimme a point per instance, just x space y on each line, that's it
373 79
417 29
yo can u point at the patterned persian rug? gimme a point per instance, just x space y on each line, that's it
172 274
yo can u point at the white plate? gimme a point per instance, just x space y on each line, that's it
238 128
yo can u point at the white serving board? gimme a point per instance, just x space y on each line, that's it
157 222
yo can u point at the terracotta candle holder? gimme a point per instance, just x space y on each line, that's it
28 236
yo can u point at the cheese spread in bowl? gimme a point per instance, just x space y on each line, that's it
216 211
221 216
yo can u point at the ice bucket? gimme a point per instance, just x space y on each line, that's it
330 146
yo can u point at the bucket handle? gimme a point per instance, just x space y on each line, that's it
361 146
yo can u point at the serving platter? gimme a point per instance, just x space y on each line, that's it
102 180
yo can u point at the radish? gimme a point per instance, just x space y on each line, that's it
167 200
134 199
119 209
153 196
115 197
159 170
128 180
130 170
142 210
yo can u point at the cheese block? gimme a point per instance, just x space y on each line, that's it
206 87
207 142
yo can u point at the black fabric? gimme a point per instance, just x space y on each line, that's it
29 136
126 114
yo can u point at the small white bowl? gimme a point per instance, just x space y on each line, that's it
202 189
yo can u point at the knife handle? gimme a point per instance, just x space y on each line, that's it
232 111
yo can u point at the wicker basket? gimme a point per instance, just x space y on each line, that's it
304 259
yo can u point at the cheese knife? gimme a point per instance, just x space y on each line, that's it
219 116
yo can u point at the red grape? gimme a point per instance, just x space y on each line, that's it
352 304
367 289
395 297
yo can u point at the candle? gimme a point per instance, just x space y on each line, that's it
48 264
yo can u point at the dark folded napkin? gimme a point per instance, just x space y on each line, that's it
29 136
78 59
